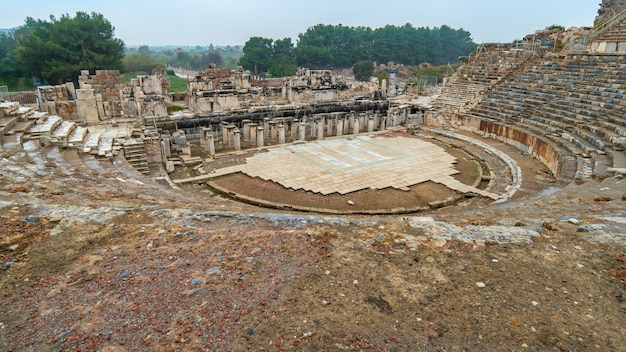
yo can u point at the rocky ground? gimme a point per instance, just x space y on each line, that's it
128 266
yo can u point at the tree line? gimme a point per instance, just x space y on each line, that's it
55 50
337 46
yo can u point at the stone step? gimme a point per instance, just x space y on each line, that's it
77 137
105 147
91 142
46 127
61 133
6 123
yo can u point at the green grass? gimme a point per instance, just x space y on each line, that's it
177 84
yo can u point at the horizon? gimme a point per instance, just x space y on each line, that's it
194 22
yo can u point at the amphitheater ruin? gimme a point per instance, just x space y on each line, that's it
495 155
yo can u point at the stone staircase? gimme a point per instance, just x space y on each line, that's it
472 82
21 124
135 153
610 36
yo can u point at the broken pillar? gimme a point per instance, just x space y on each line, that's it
204 142
370 124
167 148
266 127
293 128
329 125
302 131
253 127
211 143
237 139
355 127
273 131
320 128
231 134
339 126
281 134
224 132
246 130
362 119
259 136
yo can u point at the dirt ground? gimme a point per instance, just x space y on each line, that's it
418 196
201 273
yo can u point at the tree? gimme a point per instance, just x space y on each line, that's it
211 57
58 49
363 70
143 50
140 63
257 55
283 61
10 70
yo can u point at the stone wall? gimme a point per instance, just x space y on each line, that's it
528 143
106 95
608 8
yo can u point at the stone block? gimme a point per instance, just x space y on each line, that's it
71 90
85 94
611 48
88 113
100 108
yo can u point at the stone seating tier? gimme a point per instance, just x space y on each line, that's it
576 101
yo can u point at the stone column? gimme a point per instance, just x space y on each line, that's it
302 131
266 127
237 139
253 127
355 127
246 130
281 134
320 129
224 132
167 149
211 143
370 124
293 129
273 131
339 126
204 142
164 149
231 131
362 119
329 126
259 136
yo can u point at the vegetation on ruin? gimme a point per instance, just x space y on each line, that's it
363 70
57 49
177 84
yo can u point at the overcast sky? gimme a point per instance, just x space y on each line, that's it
223 22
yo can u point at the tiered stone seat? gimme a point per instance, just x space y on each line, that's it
46 127
577 102
471 83
62 133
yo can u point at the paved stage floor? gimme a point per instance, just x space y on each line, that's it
345 165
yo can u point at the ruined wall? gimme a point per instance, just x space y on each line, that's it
608 8
106 95
531 144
